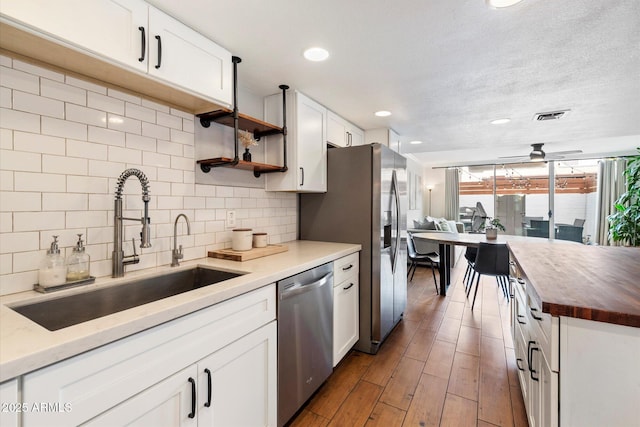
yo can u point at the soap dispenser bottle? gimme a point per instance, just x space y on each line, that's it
78 262
53 271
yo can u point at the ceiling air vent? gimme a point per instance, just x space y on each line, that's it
552 115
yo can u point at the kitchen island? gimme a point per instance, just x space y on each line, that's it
576 332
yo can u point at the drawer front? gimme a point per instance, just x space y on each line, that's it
100 379
345 267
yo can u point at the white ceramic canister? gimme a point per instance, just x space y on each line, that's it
259 240
241 239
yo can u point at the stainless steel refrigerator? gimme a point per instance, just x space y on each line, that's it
366 203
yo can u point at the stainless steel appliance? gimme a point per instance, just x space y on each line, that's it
305 337
366 203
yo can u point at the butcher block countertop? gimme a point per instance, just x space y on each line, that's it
599 283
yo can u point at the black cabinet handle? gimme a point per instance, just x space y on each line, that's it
208 402
192 414
533 315
533 371
348 287
530 349
144 44
159 52
302 175
347 268
520 316
518 360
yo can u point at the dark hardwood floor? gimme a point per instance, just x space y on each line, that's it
443 365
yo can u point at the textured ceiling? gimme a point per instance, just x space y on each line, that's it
445 68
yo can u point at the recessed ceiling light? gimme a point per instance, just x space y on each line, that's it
415 142
502 3
500 121
383 113
316 54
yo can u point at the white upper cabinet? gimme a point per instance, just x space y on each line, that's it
341 133
306 144
133 36
181 56
110 28
384 136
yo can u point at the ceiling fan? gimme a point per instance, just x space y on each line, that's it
538 155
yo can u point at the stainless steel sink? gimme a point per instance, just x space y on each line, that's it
70 310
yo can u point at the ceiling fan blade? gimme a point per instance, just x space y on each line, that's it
555 153
526 157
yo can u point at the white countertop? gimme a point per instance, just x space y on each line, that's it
26 346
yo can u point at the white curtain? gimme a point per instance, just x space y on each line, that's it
611 185
452 194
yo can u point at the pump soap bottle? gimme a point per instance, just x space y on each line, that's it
78 263
53 271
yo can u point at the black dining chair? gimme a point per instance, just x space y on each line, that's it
432 260
469 274
491 260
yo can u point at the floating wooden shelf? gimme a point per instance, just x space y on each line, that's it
239 121
256 167
224 116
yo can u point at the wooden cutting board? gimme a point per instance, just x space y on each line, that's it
254 253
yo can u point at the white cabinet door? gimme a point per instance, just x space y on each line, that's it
336 130
306 144
181 56
10 397
345 317
171 402
110 28
356 136
239 382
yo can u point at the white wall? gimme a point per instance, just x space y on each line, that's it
64 142
435 178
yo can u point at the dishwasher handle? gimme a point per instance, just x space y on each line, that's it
300 288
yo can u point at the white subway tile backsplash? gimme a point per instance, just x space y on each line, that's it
63 128
87 184
23 101
86 150
125 155
105 103
19 80
139 112
27 181
58 176
140 142
155 131
36 143
124 124
63 92
89 116
73 81
21 161
20 201
64 165
106 136
37 70
19 242
19 120
168 120
5 97
64 202
35 221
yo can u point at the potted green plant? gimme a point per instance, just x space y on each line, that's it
491 227
624 224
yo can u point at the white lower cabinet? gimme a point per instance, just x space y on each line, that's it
228 388
144 379
346 312
11 405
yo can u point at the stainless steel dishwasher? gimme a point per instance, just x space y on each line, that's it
305 337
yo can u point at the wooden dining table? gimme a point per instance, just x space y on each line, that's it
446 240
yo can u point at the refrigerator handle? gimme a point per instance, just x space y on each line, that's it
396 195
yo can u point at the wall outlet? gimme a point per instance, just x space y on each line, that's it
231 219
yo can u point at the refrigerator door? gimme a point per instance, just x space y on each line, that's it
400 272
